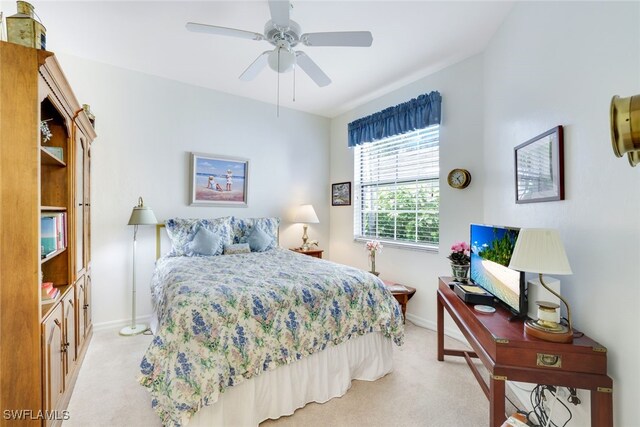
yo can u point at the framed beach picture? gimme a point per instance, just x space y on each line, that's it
341 194
539 165
218 180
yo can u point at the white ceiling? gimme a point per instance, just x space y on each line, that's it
410 40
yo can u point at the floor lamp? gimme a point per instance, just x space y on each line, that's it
141 215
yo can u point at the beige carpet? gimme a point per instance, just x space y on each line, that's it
419 392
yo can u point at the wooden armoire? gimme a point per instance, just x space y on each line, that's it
42 344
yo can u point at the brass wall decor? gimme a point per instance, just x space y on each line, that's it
625 127
23 29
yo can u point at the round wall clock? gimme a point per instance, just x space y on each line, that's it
459 178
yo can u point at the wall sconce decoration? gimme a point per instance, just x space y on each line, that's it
625 127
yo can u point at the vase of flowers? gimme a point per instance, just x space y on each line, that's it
460 260
373 247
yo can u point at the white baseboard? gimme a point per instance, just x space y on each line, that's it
430 324
119 324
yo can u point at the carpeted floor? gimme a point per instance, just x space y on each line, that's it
419 392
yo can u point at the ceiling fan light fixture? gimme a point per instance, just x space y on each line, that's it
283 64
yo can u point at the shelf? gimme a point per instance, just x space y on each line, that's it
45 308
53 208
46 158
52 255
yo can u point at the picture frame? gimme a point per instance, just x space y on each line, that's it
341 194
218 180
539 168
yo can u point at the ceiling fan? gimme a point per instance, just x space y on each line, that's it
285 34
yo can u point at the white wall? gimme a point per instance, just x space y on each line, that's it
559 63
147 126
460 146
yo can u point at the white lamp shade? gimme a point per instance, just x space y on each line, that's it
142 215
306 214
540 250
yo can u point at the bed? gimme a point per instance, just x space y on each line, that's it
245 337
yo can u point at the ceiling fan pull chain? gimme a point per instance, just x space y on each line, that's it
278 96
294 83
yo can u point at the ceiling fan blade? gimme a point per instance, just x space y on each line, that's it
338 38
312 69
223 31
280 12
256 66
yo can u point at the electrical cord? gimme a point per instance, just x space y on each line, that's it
537 399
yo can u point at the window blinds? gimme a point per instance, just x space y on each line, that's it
397 190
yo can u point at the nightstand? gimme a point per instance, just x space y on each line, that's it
316 253
401 295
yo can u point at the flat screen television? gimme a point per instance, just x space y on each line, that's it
491 250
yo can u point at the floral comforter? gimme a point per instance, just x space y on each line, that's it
228 318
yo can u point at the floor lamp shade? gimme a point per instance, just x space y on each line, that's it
141 215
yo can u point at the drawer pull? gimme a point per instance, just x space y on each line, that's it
549 360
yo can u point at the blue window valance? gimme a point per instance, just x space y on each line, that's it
418 113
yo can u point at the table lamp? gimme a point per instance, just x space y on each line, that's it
141 215
306 215
540 250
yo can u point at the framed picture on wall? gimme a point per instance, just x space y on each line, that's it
341 194
539 166
218 180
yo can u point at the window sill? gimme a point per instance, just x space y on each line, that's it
400 245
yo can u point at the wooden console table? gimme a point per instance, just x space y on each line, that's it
509 354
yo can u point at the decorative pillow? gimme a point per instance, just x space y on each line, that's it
259 240
241 227
238 248
182 231
205 243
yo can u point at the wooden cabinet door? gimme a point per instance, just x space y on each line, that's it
69 306
87 204
81 312
87 302
53 358
79 205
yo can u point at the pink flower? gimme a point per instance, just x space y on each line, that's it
373 246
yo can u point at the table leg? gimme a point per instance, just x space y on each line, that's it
601 408
496 402
404 309
440 328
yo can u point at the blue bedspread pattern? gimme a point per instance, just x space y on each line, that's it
218 327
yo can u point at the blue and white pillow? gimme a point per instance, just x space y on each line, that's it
242 227
181 232
205 243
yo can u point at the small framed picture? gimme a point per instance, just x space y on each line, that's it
218 180
539 167
341 194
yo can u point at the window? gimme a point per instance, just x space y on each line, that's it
397 189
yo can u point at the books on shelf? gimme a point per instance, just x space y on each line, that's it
48 293
53 232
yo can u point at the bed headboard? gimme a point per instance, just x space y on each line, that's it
161 225
158 241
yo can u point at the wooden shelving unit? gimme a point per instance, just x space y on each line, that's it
42 344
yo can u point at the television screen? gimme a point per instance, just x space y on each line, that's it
491 249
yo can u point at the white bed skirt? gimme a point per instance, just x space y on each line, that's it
317 378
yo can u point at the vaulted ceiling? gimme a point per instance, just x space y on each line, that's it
410 40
